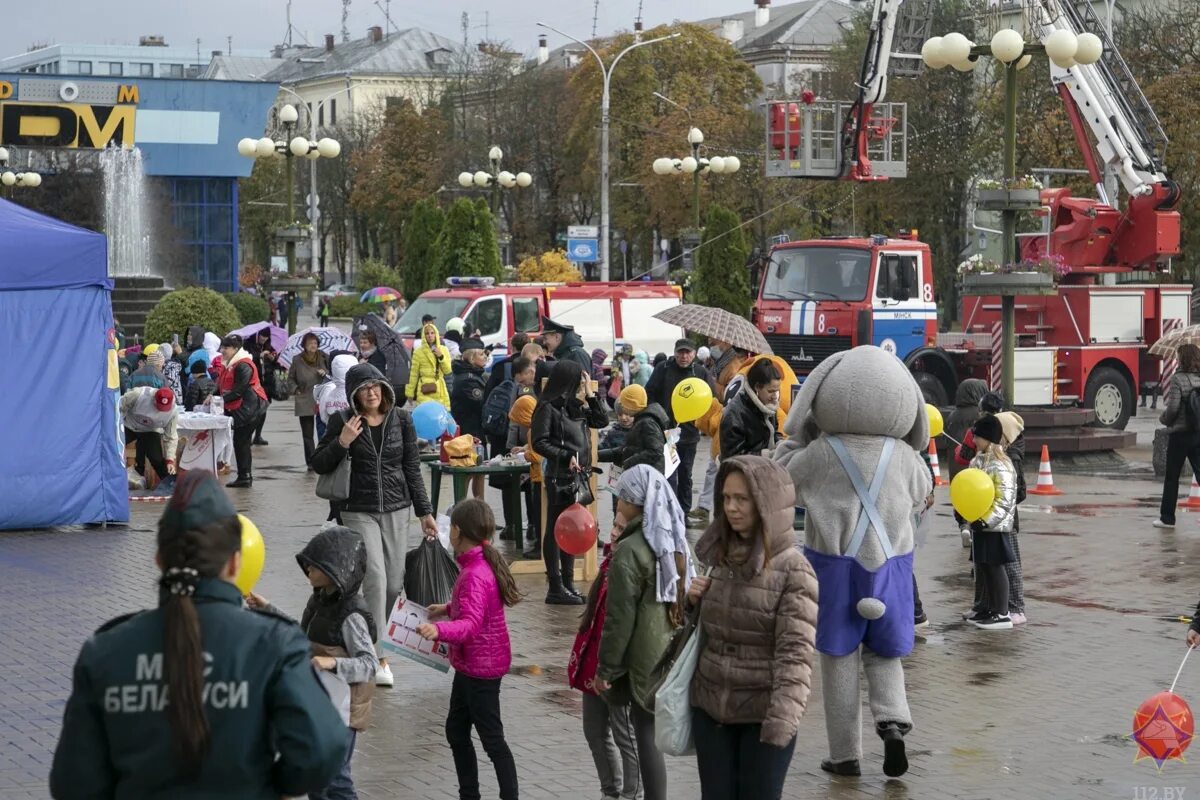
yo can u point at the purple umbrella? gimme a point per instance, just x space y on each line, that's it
279 336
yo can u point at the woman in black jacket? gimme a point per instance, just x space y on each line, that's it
566 409
750 423
386 486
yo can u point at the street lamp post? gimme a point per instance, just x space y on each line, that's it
495 180
697 165
606 72
290 148
9 179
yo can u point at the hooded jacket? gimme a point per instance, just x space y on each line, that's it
429 365
747 426
560 433
466 399
336 617
141 415
381 480
571 349
759 615
476 631
244 396
330 396
862 396
640 376
663 380
1174 414
1000 516
966 411
644 442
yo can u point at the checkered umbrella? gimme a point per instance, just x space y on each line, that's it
1168 345
329 340
717 323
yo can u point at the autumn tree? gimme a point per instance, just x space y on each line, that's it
721 279
262 207
549 267
420 253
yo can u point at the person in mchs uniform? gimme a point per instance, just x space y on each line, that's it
200 697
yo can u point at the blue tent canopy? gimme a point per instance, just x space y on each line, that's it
62 461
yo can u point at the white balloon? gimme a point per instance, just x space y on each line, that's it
1088 48
1007 45
931 53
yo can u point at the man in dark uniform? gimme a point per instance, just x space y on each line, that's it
564 343
267 727
666 376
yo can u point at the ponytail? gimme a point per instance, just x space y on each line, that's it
187 557
475 522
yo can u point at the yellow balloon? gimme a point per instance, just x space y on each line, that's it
690 400
936 425
254 554
972 493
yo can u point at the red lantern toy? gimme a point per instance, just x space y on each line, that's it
576 530
1163 727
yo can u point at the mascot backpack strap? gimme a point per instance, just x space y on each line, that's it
868 497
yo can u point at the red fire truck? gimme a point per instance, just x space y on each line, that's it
1086 343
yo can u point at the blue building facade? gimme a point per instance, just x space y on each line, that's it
187 131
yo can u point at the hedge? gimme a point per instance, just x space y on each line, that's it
250 308
182 308
347 305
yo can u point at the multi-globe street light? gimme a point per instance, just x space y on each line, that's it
9 178
290 147
697 165
496 179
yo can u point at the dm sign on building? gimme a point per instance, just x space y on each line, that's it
183 127
65 113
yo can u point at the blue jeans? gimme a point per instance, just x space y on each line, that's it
342 786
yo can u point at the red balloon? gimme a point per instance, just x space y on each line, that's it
576 530
1163 727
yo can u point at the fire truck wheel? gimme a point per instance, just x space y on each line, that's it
1109 393
932 389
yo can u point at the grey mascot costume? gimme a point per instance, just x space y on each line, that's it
855 435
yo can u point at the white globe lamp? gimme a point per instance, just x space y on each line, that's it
931 53
466 180
247 147
329 148
1061 46
1088 48
956 48
264 147
1007 45
299 146
524 180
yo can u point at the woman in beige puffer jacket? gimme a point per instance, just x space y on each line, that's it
759 617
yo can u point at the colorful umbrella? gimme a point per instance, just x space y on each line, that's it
279 335
329 340
380 294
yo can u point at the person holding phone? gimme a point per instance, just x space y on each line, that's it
386 486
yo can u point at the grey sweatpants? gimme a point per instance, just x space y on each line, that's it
609 734
843 701
386 538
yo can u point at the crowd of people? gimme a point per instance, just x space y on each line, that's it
855 460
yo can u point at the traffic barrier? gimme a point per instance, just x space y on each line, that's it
1045 481
1193 498
938 480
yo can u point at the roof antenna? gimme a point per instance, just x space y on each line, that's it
287 39
386 15
595 16
345 21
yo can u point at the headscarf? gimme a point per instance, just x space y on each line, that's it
212 345
662 525
643 374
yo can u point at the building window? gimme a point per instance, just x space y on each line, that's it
204 212
144 70
332 111
172 70
116 68
80 67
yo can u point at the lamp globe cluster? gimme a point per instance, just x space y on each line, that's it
1063 47
689 165
300 147
497 177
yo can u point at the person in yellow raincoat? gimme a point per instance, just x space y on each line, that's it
430 366
710 423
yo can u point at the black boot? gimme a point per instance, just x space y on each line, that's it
260 440
533 545
895 760
850 768
569 587
242 482
559 596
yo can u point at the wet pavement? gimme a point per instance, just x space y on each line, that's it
1039 712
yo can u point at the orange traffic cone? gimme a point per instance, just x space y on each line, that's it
1193 498
1045 481
938 480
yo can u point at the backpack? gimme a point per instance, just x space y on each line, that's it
498 404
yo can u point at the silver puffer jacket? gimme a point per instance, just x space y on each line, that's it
1000 470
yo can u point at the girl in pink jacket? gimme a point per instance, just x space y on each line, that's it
480 651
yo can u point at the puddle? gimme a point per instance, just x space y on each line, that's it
984 678
1083 509
1115 739
1075 603
1048 533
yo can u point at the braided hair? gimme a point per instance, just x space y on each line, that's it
189 551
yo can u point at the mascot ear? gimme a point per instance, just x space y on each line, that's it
918 436
801 424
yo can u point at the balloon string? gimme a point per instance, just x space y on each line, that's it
951 438
1180 670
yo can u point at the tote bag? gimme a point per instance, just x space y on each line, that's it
672 702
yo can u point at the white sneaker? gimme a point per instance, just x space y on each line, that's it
1017 618
1158 523
383 676
995 622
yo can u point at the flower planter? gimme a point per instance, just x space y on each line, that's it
1010 199
1008 284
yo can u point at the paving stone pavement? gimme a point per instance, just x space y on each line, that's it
1039 712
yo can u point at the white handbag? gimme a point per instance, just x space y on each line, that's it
673 702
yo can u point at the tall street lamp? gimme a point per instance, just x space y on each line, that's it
697 165
495 179
9 179
607 72
290 148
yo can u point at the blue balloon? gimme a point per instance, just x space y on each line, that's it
429 419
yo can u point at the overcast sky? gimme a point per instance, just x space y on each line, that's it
258 24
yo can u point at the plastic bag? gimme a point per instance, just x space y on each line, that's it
429 574
672 702
136 482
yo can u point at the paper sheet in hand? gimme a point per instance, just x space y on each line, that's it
401 636
671 458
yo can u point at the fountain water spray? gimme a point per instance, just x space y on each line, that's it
126 213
